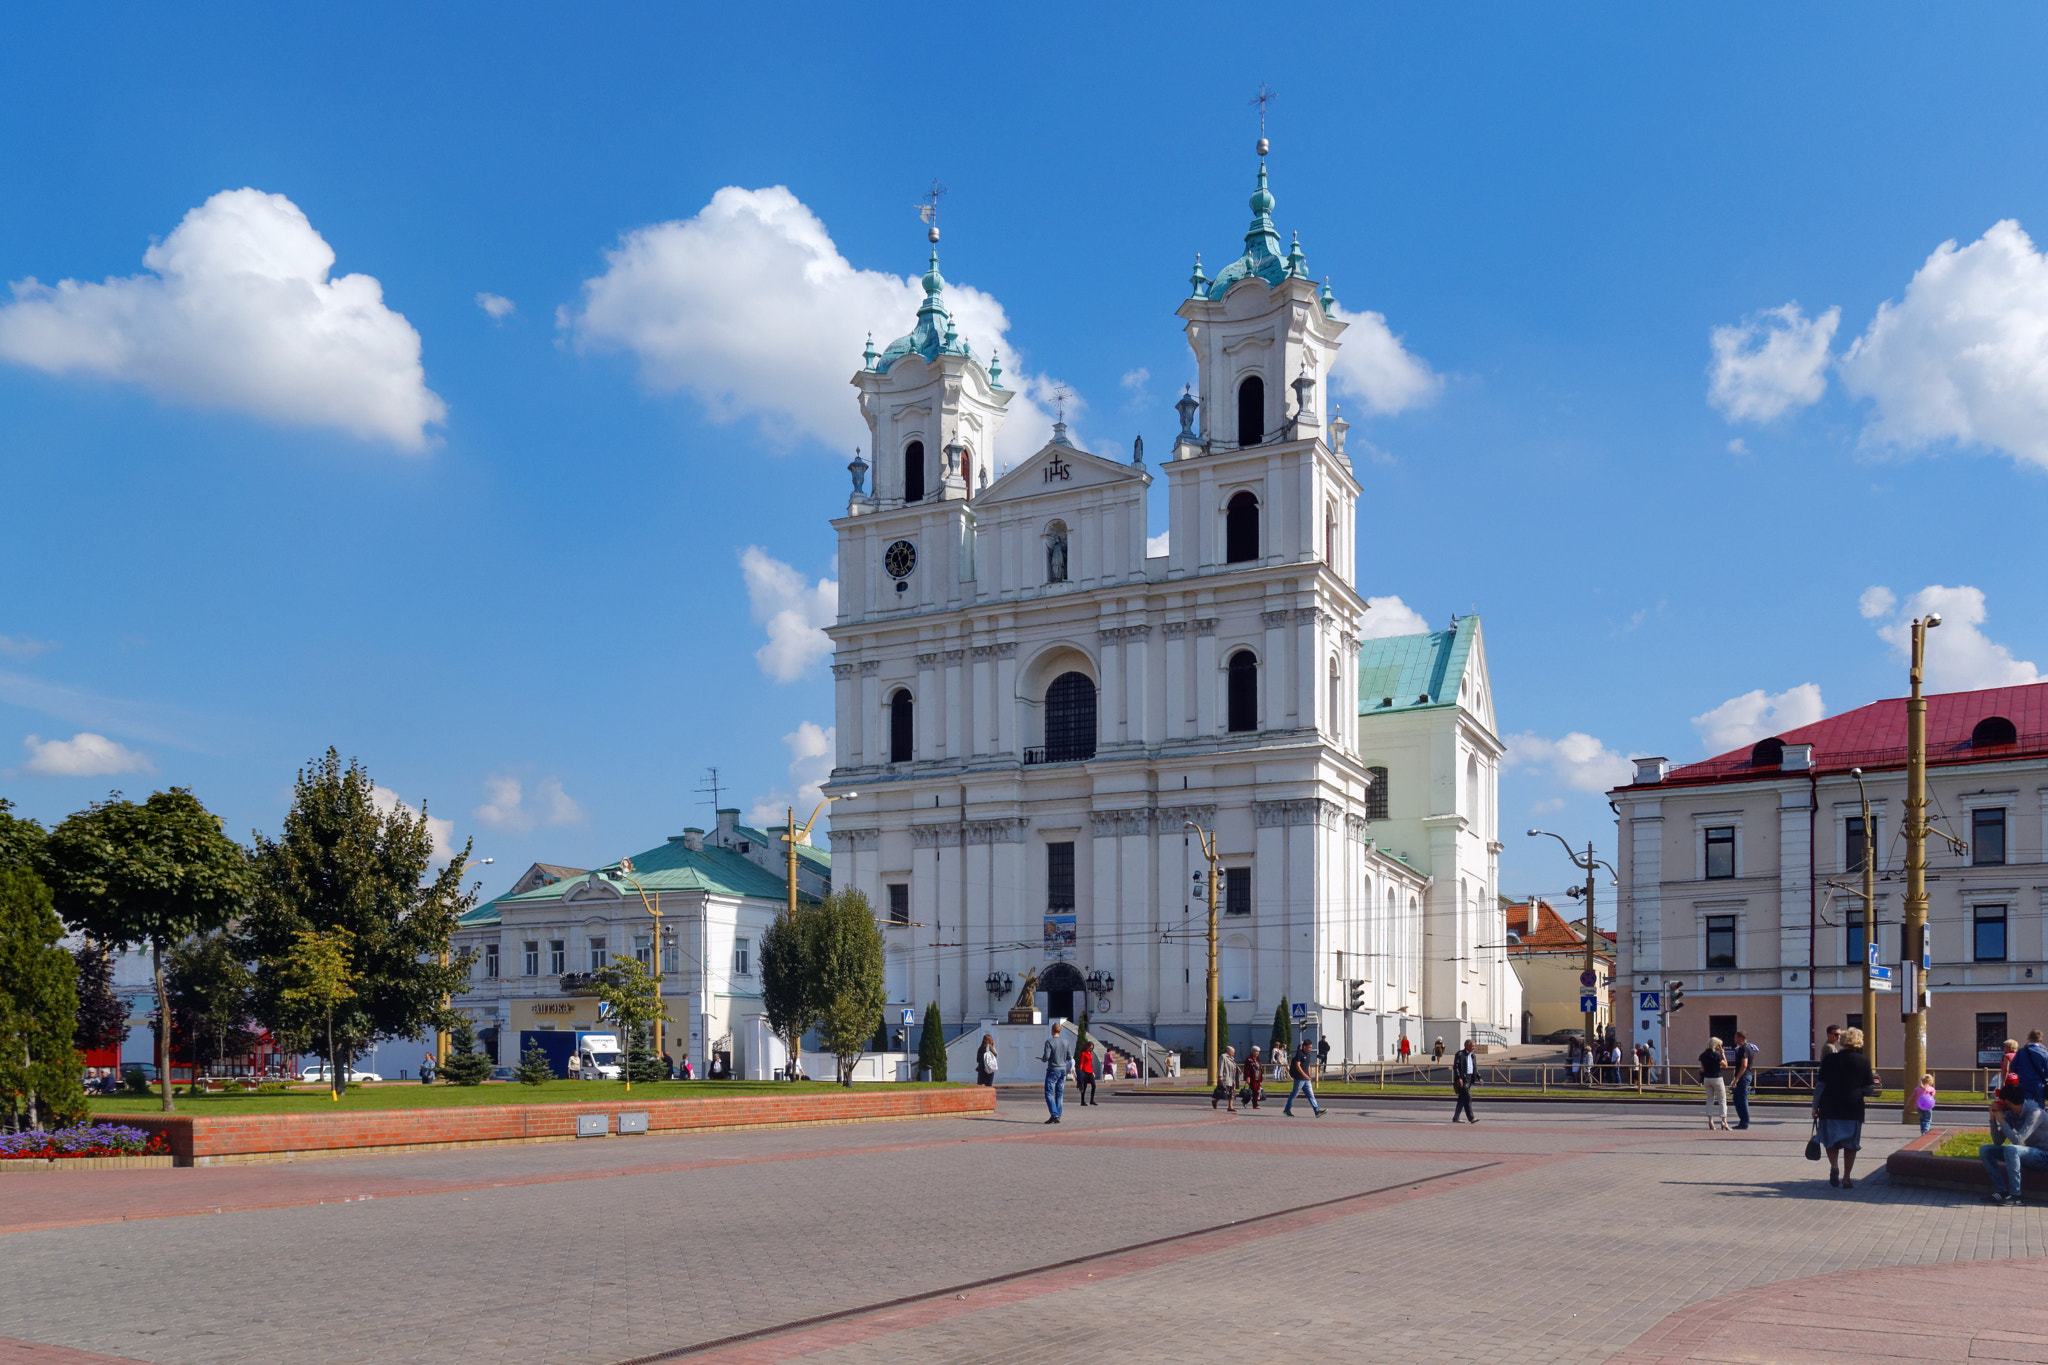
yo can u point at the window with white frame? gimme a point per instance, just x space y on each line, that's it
1987 836
742 962
1987 933
490 961
1719 858
599 959
558 956
643 950
1720 941
532 957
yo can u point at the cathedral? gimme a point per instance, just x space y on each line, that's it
1035 716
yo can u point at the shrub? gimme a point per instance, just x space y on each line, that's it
232 1088
273 1088
136 1081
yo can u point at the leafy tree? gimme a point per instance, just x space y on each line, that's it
465 1065
212 996
844 951
931 1044
102 1015
39 1069
21 841
318 976
786 986
1283 1028
156 872
533 1068
343 862
634 995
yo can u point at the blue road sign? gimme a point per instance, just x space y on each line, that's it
1589 1004
1650 1002
1301 1011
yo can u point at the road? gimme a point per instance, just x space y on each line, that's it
1140 1229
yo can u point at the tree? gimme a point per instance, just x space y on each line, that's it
844 952
931 1044
39 1069
465 1065
348 861
534 1068
634 995
643 1063
211 995
1222 1027
1283 1028
102 1015
21 841
786 986
150 873
317 976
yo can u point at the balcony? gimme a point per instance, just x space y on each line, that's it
1061 753
579 983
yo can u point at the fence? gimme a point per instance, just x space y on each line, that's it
1548 1076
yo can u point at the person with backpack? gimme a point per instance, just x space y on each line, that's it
1464 1075
1304 1083
985 1061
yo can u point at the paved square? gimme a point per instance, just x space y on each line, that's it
1140 1229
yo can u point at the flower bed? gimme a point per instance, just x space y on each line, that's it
82 1141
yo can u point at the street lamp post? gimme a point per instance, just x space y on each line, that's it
1588 862
652 907
1914 957
1869 925
790 835
1214 1044
441 1034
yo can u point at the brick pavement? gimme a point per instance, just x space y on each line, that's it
1543 1234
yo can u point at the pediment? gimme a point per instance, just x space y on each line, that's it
592 887
1058 467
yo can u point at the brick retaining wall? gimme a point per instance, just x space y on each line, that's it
209 1139
1916 1164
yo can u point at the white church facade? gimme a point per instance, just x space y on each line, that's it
1032 711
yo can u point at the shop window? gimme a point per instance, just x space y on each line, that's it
1720 941
1991 1038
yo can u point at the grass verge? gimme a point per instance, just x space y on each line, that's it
404 1095
1963 1144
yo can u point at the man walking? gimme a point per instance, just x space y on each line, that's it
1304 1082
1745 1075
1322 1058
1057 1055
2030 1064
1834 1039
2019 1130
1464 1075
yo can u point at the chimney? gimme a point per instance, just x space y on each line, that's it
1797 758
693 839
1651 770
728 826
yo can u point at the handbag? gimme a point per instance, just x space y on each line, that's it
1813 1147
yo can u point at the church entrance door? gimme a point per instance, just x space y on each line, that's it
1060 981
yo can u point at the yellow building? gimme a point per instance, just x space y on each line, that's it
1548 954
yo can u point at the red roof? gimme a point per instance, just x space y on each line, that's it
1874 736
1552 934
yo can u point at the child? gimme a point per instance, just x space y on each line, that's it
1923 1100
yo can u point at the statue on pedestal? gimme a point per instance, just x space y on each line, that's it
1024 1012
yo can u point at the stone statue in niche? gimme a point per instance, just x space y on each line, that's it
1056 553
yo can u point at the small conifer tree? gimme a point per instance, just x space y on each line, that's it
534 1068
1283 1028
931 1045
465 1065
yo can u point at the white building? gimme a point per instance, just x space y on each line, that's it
1032 710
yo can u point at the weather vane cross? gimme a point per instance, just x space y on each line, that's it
928 208
1262 99
1060 394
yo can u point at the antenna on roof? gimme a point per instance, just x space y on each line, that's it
711 786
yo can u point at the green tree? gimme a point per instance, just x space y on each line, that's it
1283 1028
533 1068
318 977
465 1065
102 1015
787 995
149 873
212 995
931 1044
39 1069
634 995
21 841
844 950
643 1063
347 860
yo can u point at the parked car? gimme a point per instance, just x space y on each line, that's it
1564 1035
321 1073
1791 1076
502 1073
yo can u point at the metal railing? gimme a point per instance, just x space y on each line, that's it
1626 1076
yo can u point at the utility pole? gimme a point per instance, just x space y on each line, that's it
1214 1044
1869 926
1914 958
1590 982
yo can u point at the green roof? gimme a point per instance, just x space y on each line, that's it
674 867
1416 671
817 859
484 914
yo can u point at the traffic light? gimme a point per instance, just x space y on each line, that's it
1357 996
1674 996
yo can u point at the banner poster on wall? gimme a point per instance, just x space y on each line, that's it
1060 934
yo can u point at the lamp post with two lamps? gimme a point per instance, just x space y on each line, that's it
663 939
1589 982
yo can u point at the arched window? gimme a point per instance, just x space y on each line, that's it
1472 787
901 730
1376 801
1244 691
1241 528
1236 967
1336 699
1330 531
1070 718
1768 753
1994 730
1056 552
913 472
1251 411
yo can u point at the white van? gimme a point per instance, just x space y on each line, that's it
597 1056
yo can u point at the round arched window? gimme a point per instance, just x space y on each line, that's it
1070 718
1993 730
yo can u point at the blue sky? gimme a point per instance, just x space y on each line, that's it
500 557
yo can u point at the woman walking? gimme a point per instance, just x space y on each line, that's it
1715 1084
1436 1054
1226 1080
1254 1080
1084 1074
985 1061
1845 1080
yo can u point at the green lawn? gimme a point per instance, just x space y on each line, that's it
1963 1144
403 1095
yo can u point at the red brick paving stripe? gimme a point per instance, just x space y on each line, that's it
14 1352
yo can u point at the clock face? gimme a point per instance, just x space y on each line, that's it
899 559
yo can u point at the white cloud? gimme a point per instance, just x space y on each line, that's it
1155 546
750 308
508 807
442 831
810 763
1876 602
1135 380
1391 616
497 305
793 612
1754 715
1579 761
1372 365
83 755
1960 656
1965 356
1772 362
238 312
1738 446
22 647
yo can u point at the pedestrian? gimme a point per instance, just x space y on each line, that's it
1303 1083
1923 1100
1834 1039
1084 1075
1571 1059
1254 1080
1464 1075
689 1069
985 1061
1322 1058
1402 1051
575 1065
1745 1076
2006 1074
2030 1064
668 1064
1844 1081
1716 1086
1226 1080
427 1068
1058 1055
2018 1134
1436 1054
